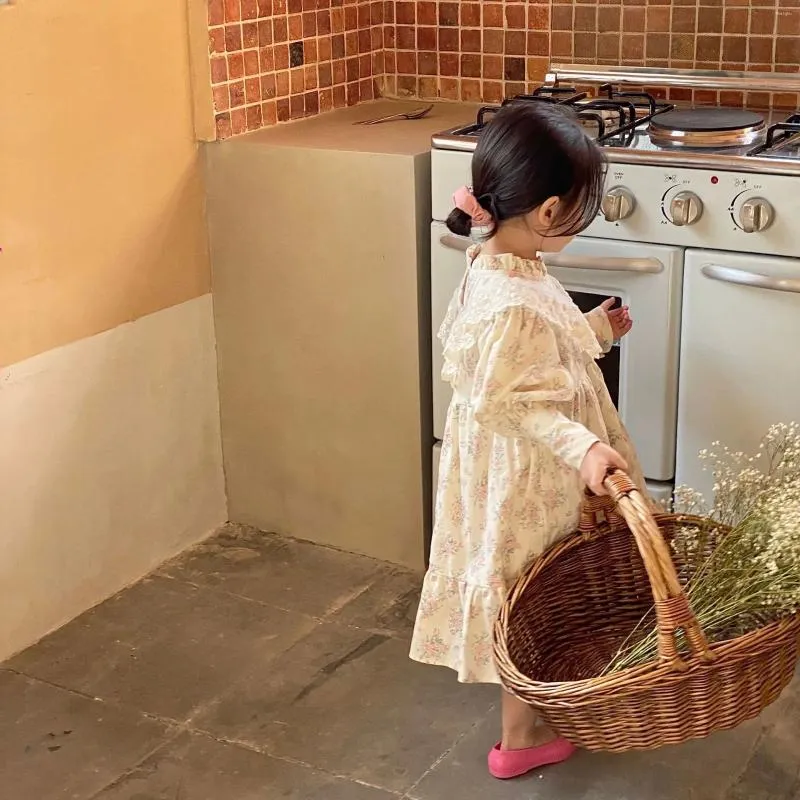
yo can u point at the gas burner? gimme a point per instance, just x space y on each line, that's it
782 140
707 128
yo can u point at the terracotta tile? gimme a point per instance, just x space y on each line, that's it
282 110
708 48
609 19
297 107
449 89
216 12
326 100
734 48
427 14
761 49
407 63
561 44
449 64
337 46
514 69
684 20
269 89
562 18
264 32
282 56
471 90
251 63
223 123
280 29
657 46
253 116
406 37
427 63
471 41
609 45
493 15
427 38
493 41
585 45
788 22
539 43
658 20
233 38
470 66
249 9
633 47
537 68
492 92
265 9
405 12
735 20
219 70
233 10
633 19
471 15
787 49
492 67
539 18
216 40
311 102
448 14
222 100
763 21
586 18
516 42
236 93
709 19
282 83
682 48
515 17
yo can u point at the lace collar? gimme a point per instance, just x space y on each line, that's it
506 262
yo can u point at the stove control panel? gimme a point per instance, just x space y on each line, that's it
701 208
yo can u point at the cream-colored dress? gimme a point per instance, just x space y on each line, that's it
529 401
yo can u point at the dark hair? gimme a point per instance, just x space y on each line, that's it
529 152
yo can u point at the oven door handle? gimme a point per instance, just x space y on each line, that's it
646 266
455 242
755 280
641 265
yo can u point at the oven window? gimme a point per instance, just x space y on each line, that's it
610 363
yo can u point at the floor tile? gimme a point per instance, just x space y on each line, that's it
57 745
199 768
352 703
295 575
164 647
389 605
699 770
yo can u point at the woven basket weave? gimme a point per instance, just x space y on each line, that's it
567 615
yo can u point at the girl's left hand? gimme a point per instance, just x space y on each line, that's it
619 318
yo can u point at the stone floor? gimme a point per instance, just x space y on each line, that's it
255 668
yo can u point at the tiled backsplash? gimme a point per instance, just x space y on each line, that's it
275 60
487 50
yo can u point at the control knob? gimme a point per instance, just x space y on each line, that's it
685 209
618 204
755 215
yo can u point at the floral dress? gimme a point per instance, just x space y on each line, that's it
528 403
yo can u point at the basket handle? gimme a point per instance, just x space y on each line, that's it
673 612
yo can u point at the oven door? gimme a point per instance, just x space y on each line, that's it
642 371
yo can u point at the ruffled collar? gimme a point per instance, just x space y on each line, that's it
506 262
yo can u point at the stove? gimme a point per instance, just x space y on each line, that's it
697 233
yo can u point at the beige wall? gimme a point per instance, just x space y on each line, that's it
101 197
110 459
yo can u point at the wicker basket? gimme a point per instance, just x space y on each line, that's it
570 611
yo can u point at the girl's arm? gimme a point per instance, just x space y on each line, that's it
521 386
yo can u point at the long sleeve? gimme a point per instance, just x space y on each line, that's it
601 326
521 388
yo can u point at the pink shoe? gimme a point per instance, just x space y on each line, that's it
505 764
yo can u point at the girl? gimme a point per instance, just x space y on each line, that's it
531 422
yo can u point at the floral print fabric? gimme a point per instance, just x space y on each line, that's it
528 403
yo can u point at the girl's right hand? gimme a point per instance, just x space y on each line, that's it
596 465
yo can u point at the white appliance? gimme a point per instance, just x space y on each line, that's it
698 234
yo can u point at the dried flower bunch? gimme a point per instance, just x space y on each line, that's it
740 560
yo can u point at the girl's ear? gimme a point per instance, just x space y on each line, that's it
547 213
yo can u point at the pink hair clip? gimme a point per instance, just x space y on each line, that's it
465 201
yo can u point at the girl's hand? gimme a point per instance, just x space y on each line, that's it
619 318
596 465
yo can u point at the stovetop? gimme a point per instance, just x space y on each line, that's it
627 125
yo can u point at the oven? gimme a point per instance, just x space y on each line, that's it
641 372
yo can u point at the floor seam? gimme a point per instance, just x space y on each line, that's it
446 753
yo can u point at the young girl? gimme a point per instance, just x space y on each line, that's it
531 422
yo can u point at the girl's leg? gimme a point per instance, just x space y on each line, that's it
520 729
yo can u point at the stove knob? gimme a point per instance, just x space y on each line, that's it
618 204
755 215
685 209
